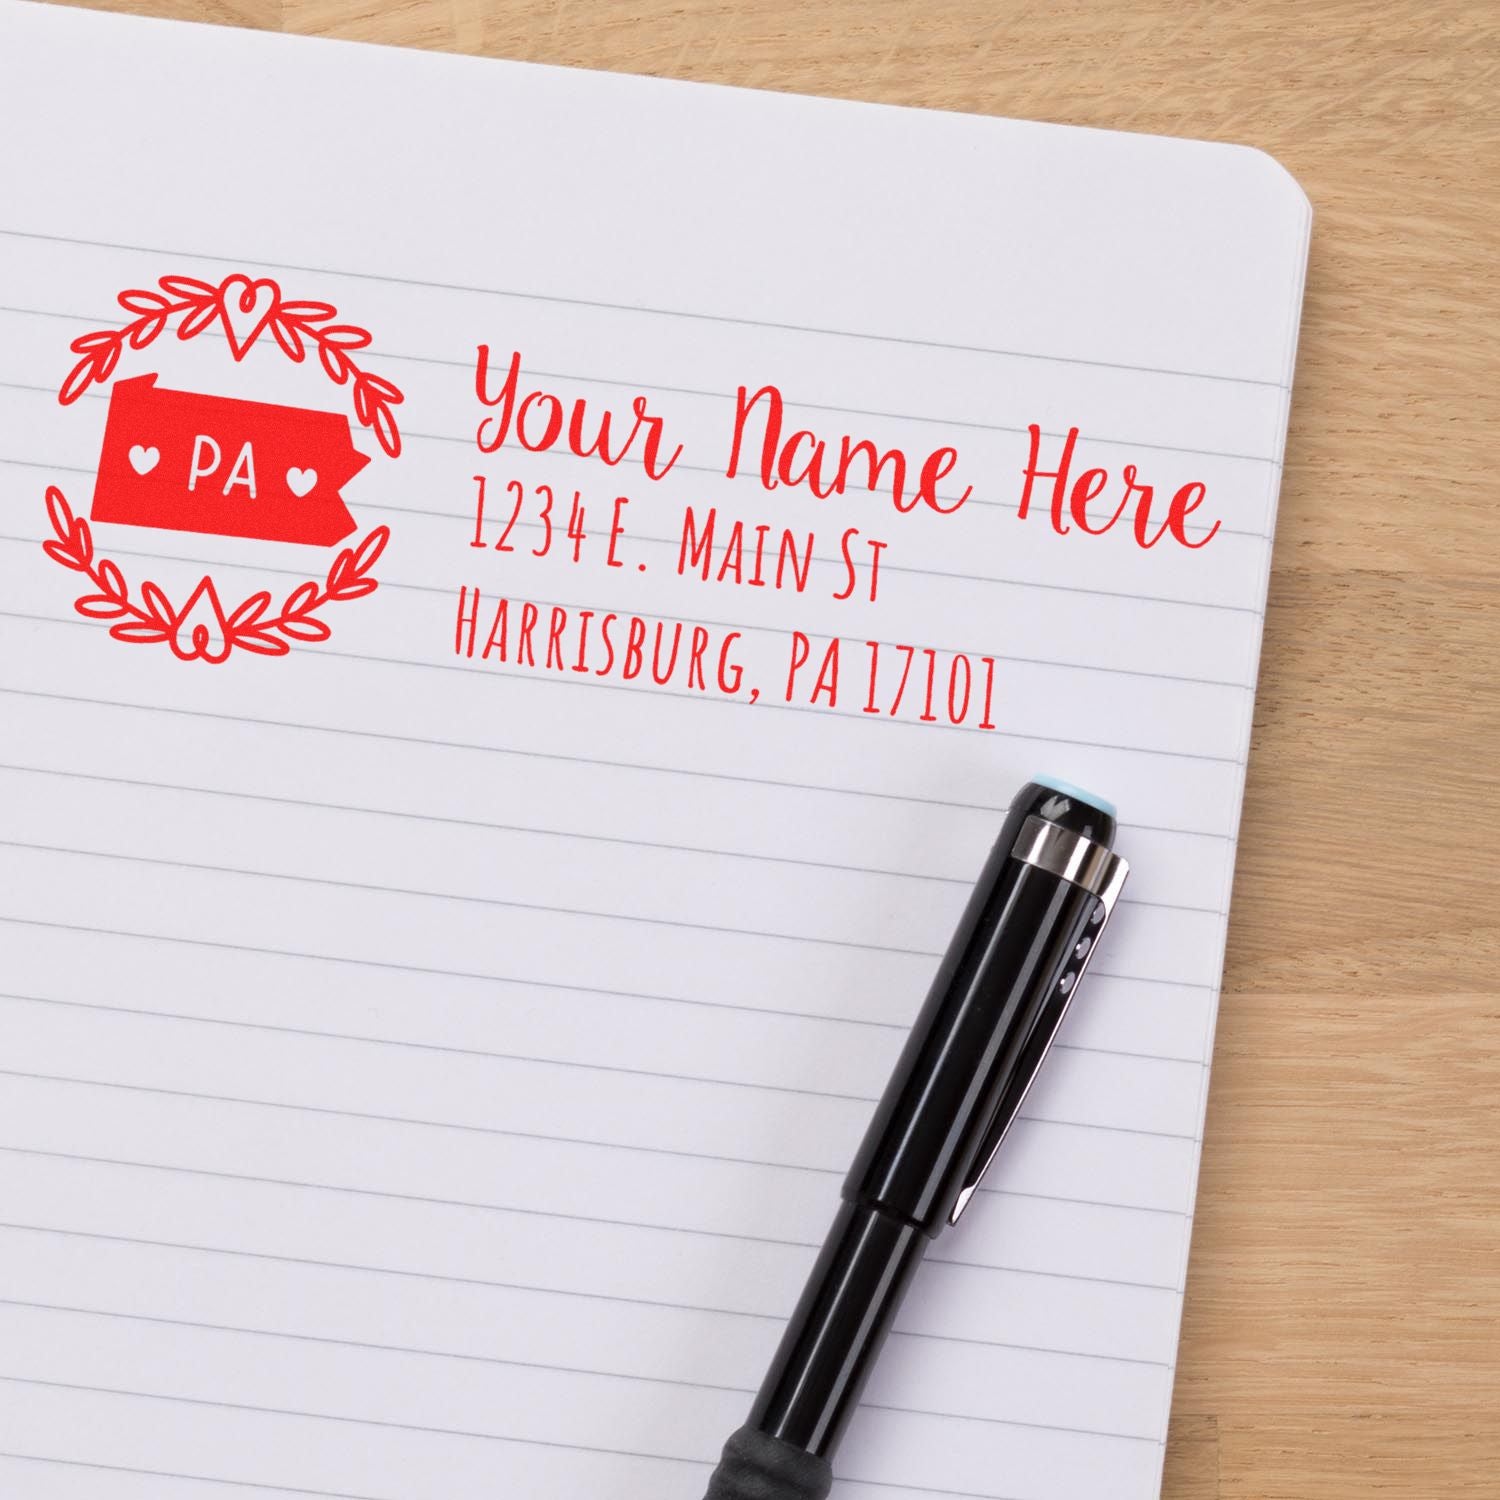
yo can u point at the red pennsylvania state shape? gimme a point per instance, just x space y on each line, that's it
181 461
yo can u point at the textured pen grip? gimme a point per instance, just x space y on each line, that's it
758 1467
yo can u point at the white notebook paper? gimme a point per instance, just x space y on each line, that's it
427 1069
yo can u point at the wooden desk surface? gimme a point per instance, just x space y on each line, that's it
1341 1333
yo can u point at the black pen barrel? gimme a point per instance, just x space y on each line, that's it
830 1345
998 983
994 1006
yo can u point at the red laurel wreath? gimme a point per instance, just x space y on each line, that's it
246 309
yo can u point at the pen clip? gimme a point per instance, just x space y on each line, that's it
1036 1046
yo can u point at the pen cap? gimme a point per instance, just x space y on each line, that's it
993 1008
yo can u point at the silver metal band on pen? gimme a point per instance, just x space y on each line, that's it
1073 858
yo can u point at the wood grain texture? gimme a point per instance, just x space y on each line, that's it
1341 1334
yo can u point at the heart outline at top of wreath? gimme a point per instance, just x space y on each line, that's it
245 307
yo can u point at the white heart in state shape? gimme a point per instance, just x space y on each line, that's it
301 481
143 460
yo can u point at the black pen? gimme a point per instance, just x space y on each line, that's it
1014 964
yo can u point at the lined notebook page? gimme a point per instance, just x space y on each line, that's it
422 1075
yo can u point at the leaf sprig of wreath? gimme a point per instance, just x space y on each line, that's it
155 619
296 326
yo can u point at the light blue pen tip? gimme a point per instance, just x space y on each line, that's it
1069 790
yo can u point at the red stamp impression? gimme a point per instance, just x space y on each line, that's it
184 461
